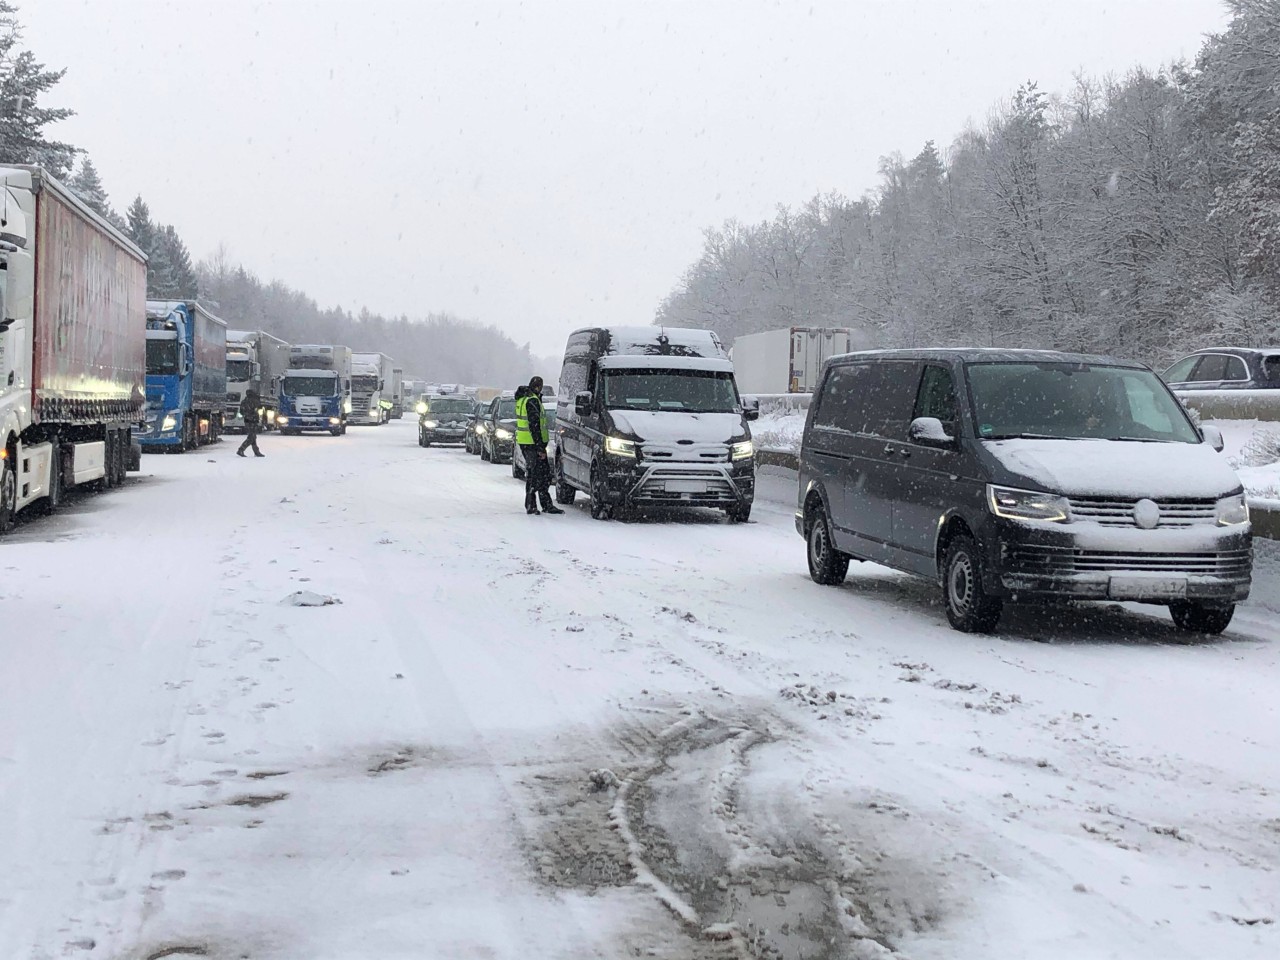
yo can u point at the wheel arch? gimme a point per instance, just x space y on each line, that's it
950 526
815 499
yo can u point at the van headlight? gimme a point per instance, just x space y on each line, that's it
1015 504
619 447
1232 511
742 450
168 423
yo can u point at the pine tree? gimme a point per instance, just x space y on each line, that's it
22 120
180 283
139 226
87 185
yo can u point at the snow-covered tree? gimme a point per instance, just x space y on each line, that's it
88 187
23 120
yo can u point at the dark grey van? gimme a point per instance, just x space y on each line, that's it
651 416
1022 475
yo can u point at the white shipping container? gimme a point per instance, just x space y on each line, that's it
788 360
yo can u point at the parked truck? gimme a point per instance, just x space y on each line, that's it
370 388
72 344
186 376
315 392
255 361
397 393
788 360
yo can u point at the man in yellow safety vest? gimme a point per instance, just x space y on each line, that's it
532 435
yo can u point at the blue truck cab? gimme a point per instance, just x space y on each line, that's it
186 375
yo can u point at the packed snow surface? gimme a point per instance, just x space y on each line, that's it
551 737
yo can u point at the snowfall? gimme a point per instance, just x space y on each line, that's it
350 702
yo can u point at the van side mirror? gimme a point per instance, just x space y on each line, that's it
751 408
582 403
1213 436
929 432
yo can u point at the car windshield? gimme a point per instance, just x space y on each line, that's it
687 391
506 410
309 386
162 356
238 371
364 384
452 409
1075 401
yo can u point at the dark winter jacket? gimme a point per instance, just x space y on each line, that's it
249 410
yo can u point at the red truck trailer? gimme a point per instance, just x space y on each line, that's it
72 344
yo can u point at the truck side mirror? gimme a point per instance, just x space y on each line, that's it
257 370
751 408
582 403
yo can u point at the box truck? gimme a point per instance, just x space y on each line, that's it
788 360
315 392
73 294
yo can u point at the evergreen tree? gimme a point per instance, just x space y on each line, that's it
22 120
88 187
138 225
179 280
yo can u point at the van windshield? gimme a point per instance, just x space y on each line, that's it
1073 401
687 391
309 386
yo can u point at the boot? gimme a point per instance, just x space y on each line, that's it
239 453
548 506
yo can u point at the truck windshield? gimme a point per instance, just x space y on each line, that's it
238 371
686 391
162 356
309 386
1074 401
364 384
453 409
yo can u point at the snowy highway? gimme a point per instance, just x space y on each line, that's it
552 737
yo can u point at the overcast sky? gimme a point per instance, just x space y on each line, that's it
538 165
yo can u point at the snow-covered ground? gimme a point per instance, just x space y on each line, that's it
526 737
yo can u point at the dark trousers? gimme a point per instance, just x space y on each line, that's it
537 478
250 439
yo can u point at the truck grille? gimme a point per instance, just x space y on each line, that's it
1065 561
1119 513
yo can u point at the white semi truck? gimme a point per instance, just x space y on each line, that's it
255 360
788 360
371 388
73 318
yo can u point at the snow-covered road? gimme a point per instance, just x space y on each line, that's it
522 737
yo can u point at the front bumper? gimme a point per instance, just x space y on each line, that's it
642 483
1096 563
294 421
445 434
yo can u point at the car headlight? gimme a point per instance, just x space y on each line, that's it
1027 505
619 447
431 424
1232 511
502 433
481 428
742 450
421 408
169 422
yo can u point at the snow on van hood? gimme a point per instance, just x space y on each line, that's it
1117 468
670 426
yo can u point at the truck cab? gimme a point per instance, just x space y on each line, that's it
315 392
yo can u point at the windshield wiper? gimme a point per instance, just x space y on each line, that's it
1140 439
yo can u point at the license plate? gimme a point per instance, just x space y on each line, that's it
686 486
1148 588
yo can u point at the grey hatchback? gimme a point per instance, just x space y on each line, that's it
1022 474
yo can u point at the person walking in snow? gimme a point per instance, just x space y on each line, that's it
249 414
532 435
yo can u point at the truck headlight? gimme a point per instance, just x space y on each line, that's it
619 447
168 423
1015 504
421 408
502 433
431 424
282 420
334 421
1232 511
742 450
270 416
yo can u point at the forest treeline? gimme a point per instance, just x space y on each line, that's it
439 347
1137 215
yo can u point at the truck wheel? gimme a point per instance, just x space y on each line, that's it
970 608
53 499
8 494
1200 617
109 462
601 509
827 565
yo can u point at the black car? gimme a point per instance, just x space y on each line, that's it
498 441
475 427
443 420
1021 475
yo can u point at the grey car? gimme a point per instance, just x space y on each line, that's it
1022 475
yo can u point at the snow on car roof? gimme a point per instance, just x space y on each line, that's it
989 355
649 362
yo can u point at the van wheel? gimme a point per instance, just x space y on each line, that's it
1199 617
600 506
827 565
741 513
564 492
970 609
8 494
